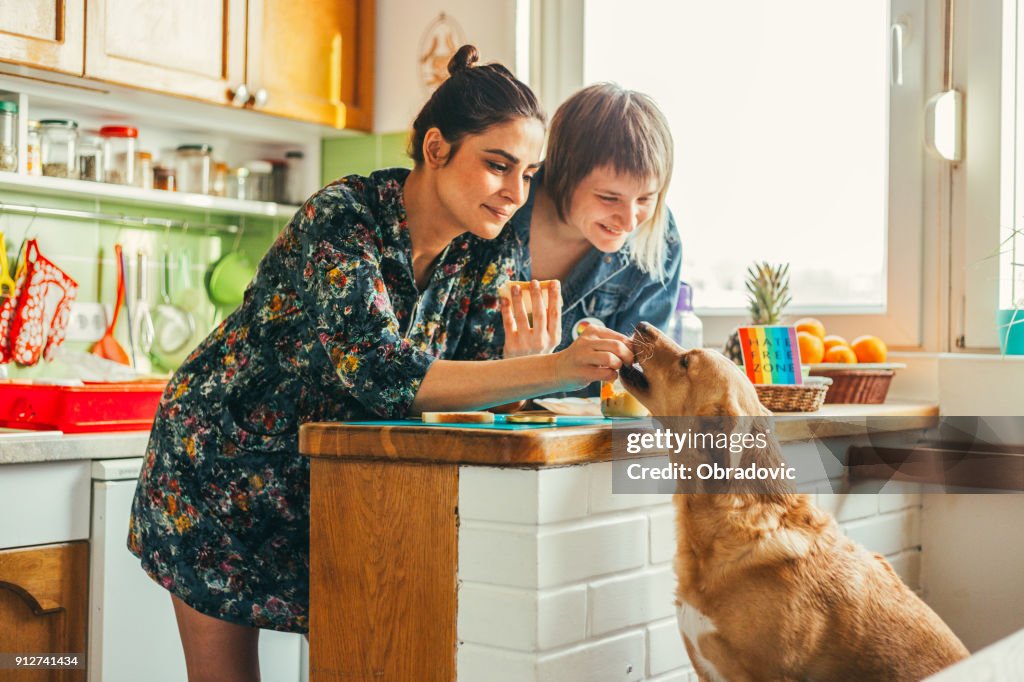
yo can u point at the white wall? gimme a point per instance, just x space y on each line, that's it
401 25
973 546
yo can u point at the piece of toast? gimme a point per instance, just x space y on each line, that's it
505 291
458 417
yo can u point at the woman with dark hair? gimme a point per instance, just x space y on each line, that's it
366 306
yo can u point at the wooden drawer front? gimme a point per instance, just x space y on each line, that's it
44 503
43 606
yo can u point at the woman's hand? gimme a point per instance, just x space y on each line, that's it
597 355
544 335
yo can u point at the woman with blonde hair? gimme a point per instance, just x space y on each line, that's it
596 218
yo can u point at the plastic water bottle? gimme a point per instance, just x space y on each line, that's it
684 327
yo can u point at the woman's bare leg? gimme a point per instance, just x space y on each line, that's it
216 650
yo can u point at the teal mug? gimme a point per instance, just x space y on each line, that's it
1011 331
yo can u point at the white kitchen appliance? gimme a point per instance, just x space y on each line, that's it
132 631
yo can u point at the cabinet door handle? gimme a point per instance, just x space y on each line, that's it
898 35
240 95
261 97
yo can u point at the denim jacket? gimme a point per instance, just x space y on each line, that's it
606 286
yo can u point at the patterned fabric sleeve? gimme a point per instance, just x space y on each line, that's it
494 264
338 277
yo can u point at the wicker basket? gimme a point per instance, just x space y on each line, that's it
793 397
864 386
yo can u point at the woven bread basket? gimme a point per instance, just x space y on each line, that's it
863 386
806 397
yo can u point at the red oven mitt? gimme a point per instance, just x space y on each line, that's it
33 318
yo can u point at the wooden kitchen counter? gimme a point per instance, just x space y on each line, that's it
387 556
559 446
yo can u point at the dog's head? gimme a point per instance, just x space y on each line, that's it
672 381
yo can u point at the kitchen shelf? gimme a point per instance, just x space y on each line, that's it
84 189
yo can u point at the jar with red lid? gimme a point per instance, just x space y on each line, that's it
119 153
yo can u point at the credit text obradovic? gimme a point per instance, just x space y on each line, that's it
662 440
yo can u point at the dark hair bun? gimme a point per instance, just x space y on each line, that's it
464 59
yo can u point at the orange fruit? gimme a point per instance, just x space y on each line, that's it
811 348
869 349
835 340
840 354
811 326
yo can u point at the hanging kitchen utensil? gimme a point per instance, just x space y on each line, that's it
142 329
34 318
227 279
173 326
108 347
187 296
6 276
128 309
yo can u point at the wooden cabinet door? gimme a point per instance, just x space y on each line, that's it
313 60
44 595
194 48
43 33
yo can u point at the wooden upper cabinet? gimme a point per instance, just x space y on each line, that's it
47 34
44 593
194 48
313 61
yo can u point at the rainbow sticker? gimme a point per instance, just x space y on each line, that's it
771 355
582 325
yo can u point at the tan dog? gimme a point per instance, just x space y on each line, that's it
769 588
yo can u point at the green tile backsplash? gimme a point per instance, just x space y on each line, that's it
363 154
77 247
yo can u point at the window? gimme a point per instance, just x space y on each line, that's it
791 145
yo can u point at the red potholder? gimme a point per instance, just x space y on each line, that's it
33 318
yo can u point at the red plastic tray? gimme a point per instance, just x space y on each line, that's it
80 409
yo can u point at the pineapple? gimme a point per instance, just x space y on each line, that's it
767 297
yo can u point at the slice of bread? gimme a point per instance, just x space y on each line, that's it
458 417
505 291
616 403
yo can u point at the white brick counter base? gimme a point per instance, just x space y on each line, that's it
562 581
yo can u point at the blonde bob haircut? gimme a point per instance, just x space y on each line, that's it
607 125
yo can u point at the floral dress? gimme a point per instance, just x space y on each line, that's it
332 328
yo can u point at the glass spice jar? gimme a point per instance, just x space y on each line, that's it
59 147
294 193
144 170
90 157
238 184
219 179
119 153
194 166
8 136
259 180
164 178
33 153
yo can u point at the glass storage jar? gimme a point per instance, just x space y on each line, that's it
219 181
33 154
90 157
143 170
8 136
119 153
59 147
193 168
238 184
278 180
259 180
164 178
294 193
